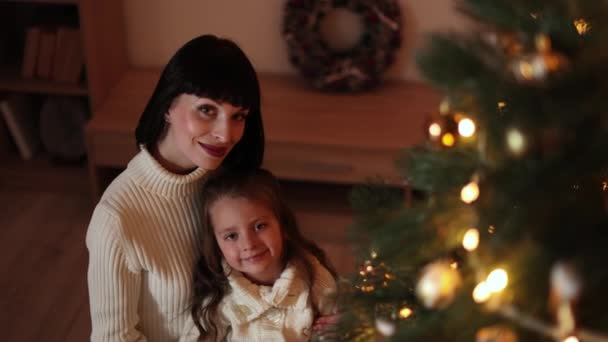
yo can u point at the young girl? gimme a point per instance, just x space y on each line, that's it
258 278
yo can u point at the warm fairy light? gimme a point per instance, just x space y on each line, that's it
389 276
502 105
497 280
466 127
405 312
604 186
469 192
444 106
491 229
571 339
435 129
526 70
516 141
454 265
367 288
448 140
471 240
482 292
582 27
374 254
369 268
534 15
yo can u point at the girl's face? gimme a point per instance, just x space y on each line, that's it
249 236
200 133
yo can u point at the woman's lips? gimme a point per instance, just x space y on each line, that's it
214 151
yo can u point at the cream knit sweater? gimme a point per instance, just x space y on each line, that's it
141 242
283 312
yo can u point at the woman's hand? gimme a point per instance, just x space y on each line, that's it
324 326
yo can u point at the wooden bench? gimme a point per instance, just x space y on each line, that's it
310 135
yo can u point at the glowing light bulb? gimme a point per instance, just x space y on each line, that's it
516 141
466 127
471 240
481 293
405 312
435 130
497 280
582 27
448 140
469 192
571 339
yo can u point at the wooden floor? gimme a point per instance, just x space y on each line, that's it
44 212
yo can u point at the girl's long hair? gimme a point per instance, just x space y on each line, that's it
210 281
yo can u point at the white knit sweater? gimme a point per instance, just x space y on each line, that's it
283 312
141 242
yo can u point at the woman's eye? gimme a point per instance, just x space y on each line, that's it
206 110
240 117
230 237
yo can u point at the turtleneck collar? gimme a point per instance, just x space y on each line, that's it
148 172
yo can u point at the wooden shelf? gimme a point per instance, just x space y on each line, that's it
10 80
310 135
52 2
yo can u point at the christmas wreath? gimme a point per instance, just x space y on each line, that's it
356 69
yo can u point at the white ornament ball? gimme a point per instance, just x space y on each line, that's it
385 327
565 281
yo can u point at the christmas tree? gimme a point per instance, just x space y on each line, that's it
506 238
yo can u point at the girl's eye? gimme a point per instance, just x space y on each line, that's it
260 226
230 237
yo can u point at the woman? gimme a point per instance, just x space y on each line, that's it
203 114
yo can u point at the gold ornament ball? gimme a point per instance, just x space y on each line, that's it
496 333
438 285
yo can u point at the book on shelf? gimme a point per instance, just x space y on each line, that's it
22 122
46 54
69 58
30 51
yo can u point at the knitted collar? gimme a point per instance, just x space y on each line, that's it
148 173
247 301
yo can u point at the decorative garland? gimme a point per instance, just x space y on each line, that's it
357 69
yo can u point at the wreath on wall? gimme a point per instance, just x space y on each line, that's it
355 69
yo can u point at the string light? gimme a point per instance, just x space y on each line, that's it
481 293
405 312
502 105
435 130
470 192
582 26
497 280
466 127
448 140
571 339
516 141
471 240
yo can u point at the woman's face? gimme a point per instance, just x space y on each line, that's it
200 133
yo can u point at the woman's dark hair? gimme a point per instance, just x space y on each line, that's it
216 68
209 279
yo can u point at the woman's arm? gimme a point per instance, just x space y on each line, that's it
114 288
